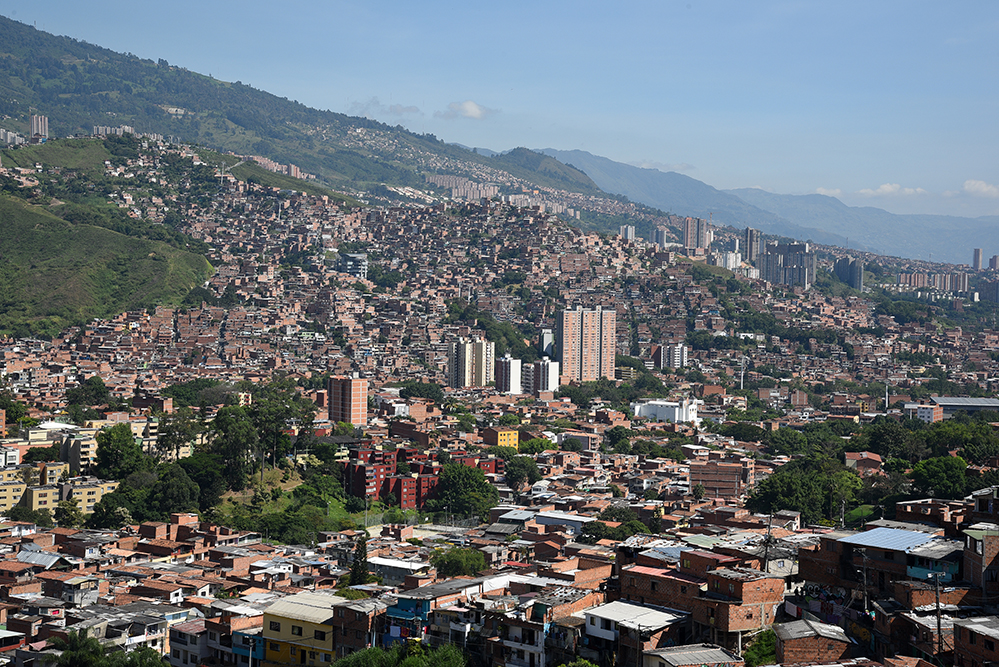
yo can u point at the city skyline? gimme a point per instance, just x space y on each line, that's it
881 106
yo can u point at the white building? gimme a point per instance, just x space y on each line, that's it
667 411
508 375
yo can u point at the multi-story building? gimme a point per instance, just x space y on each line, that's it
39 129
696 235
300 629
850 271
976 262
788 264
672 356
508 375
723 479
355 264
587 343
471 363
540 376
546 343
628 232
348 400
753 244
660 237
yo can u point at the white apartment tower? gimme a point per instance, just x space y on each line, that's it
470 363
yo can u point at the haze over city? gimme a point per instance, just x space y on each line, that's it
889 105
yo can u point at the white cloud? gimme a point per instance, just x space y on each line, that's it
981 189
374 107
829 192
892 190
466 109
662 166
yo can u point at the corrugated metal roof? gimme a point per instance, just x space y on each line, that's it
891 539
973 402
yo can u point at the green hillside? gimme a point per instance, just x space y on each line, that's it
79 85
54 274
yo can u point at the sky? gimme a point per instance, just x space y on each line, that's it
887 104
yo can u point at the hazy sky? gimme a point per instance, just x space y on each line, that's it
889 104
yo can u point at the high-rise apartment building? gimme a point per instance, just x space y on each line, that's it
788 264
586 341
850 271
994 262
675 356
508 375
471 363
348 400
542 375
39 127
660 237
628 232
546 343
696 235
753 244
976 262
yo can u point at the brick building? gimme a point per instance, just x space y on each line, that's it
810 641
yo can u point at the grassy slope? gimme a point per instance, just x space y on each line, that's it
86 156
53 273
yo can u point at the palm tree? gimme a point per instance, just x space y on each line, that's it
79 650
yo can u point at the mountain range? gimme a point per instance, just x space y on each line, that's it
79 85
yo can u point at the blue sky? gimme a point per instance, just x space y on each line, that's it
888 104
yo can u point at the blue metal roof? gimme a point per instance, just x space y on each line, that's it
891 539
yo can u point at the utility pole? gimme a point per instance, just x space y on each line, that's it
936 576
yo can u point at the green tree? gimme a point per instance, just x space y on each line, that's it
234 439
41 518
91 391
79 650
36 454
521 469
176 430
118 454
68 513
763 650
457 562
571 445
464 490
207 471
941 477
359 566
698 491
174 491
534 446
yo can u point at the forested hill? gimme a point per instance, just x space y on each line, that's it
79 85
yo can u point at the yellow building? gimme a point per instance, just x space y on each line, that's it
50 472
88 491
42 497
501 437
10 494
299 629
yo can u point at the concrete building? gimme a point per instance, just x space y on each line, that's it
508 375
696 235
39 129
348 400
471 363
587 342
753 244
666 411
976 262
850 271
355 264
790 264
628 232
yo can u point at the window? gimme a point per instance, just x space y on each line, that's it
244 658
358 634
340 612
686 563
731 588
176 653
296 630
593 620
275 646
971 638
275 626
683 589
990 645
212 636
327 657
655 585
320 635
312 655
294 650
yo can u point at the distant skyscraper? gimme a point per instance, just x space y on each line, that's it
628 232
508 375
544 375
994 262
850 271
660 237
471 363
752 245
546 343
587 342
696 234
788 264
348 397
39 127
976 264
